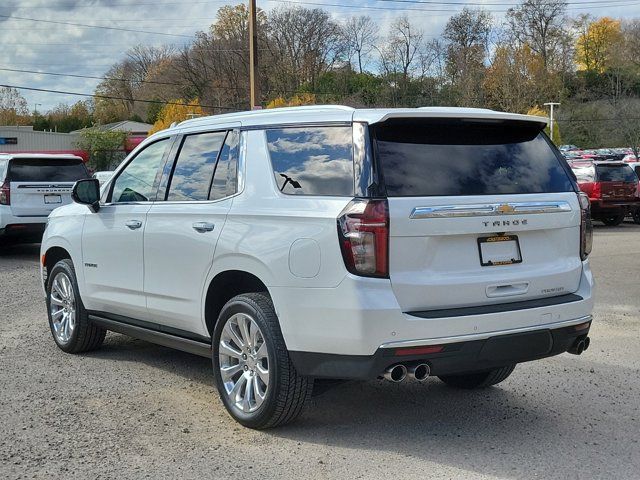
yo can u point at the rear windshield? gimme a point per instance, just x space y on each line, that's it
615 173
46 170
443 157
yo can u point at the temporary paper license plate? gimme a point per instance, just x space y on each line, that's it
52 199
499 250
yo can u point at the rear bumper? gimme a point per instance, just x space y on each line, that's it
361 315
472 355
12 226
19 230
612 207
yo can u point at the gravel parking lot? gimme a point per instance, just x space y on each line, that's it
136 410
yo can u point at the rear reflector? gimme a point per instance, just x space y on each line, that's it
582 326
400 352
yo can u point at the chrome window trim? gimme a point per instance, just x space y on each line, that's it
486 335
490 209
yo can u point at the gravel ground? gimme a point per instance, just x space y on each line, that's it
136 410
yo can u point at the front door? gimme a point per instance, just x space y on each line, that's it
112 240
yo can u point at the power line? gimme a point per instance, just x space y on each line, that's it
573 5
113 97
22 5
502 4
233 89
90 76
56 22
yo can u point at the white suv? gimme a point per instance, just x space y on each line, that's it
327 242
31 186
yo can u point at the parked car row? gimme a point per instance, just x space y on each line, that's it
573 153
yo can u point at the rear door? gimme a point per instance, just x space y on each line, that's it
38 185
184 225
480 213
618 182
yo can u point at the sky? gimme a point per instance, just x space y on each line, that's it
57 43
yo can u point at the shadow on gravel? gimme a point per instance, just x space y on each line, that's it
495 431
123 348
19 251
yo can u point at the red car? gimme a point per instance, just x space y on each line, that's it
612 188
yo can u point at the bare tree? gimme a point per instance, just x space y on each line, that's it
361 35
303 44
402 48
539 24
467 35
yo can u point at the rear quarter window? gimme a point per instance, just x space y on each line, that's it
439 157
312 160
46 170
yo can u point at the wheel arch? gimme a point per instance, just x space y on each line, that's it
52 256
223 287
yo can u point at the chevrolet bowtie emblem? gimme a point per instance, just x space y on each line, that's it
505 208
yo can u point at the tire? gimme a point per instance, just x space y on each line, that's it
64 302
471 381
636 216
613 220
249 399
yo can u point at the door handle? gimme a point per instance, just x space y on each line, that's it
203 227
134 224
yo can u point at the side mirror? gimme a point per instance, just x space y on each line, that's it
87 192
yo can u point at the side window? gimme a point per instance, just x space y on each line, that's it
194 168
225 179
312 160
136 182
3 169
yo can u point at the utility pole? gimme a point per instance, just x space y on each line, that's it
253 58
551 105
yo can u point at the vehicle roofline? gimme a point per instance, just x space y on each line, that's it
286 115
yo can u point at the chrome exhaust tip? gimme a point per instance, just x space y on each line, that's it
396 373
420 372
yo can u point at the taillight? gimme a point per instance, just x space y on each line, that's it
596 192
5 193
363 228
586 227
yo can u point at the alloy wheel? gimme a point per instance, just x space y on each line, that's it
62 307
244 362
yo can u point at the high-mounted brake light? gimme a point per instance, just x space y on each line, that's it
363 229
586 227
5 193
